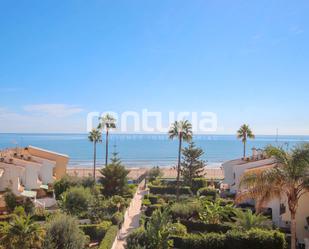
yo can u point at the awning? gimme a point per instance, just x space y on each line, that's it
28 193
44 186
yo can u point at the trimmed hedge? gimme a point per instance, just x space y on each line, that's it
253 239
151 208
96 232
198 226
198 183
117 218
109 238
169 190
213 193
185 210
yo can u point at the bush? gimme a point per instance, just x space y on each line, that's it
185 210
76 201
96 232
198 183
136 239
208 192
171 190
109 238
177 229
62 232
117 218
253 239
10 200
64 184
150 209
198 226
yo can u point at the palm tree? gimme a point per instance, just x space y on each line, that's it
244 133
21 232
247 220
107 122
288 178
183 131
95 136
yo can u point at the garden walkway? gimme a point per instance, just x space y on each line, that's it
131 218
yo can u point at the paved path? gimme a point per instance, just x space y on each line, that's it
131 218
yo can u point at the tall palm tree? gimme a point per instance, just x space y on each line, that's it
244 133
21 232
183 131
107 122
95 136
289 178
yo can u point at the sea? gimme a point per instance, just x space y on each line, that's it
144 150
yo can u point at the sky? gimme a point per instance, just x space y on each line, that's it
245 61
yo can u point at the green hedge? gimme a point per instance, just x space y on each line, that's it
252 239
96 232
117 218
169 190
185 210
213 193
198 183
109 238
198 226
151 208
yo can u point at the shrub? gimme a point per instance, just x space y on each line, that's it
76 201
96 232
253 239
177 229
198 183
109 238
117 218
62 232
150 209
136 239
186 210
153 199
10 200
171 190
64 184
208 192
198 226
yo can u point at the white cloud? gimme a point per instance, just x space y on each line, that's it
56 110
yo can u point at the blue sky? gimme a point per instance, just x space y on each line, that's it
247 61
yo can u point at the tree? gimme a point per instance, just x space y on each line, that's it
10 200
154 173
95 136
288 178
62 232
244 133
214 212
114 177
192 165
107 122
247 220
21 232
183 131
76 201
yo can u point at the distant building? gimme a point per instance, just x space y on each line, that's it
28 172
234 170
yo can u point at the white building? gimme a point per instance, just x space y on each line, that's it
26 171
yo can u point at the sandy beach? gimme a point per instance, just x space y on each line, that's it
135 173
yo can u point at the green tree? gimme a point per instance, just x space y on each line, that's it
107 122
95 136
247 220
215 213
62 232
288 178
154 173
192 166
183 131
114 177
244 133
76 201
21 232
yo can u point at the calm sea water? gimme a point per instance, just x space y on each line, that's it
144 150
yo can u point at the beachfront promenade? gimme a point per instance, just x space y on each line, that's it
131 218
